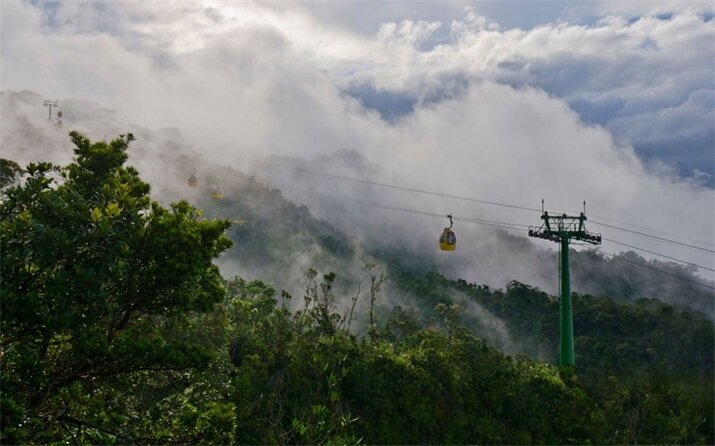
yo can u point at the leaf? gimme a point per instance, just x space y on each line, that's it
112 210
96 215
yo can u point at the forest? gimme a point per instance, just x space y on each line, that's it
118 327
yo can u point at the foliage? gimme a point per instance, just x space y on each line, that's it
647 366
288 378
297 380
117 328
9 171
98 282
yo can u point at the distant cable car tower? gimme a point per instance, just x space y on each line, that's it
49 104
562 229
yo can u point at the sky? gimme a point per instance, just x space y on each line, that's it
642 70
606 101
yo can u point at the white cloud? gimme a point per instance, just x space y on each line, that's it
270 80
639 68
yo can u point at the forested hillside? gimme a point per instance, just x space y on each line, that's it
280 238
117 328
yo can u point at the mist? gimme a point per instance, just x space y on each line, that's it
258 88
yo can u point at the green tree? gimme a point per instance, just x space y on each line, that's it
9 171
98 282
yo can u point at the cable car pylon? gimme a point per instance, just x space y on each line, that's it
562 229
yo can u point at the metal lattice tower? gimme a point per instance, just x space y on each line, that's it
562 229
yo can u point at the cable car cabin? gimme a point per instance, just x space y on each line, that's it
447 241
192 181
217 193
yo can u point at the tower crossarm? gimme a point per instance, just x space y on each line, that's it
560 227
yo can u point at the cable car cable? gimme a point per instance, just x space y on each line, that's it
501 225
496 224
514 226
645 265
647 229
380 184
443 195
511 226
446 195
657 254
653 236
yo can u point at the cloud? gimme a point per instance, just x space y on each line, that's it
272 80
617 69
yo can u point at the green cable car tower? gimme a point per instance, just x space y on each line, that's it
562 229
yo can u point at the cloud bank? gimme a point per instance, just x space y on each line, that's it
557 111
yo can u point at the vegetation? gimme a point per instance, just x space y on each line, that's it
98 282
116 327
639 363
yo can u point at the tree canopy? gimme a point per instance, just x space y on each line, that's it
98 281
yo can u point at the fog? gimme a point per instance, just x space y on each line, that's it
260 87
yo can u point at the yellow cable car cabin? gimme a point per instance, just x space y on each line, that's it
448 241
217 193
192 180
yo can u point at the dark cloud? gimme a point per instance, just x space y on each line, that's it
390 105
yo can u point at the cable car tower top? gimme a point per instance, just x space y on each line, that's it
49 104
563 229
559 227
